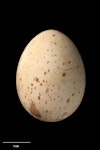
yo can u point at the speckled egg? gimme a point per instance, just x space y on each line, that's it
50 77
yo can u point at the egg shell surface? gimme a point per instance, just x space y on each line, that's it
50 77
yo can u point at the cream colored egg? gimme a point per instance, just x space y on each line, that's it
50 77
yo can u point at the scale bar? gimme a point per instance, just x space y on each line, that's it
16 142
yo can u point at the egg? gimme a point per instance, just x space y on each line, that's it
50 77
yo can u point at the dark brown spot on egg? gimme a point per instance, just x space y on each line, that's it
20 79
63 64
74 82
53 35
73 94
78 92
53 85
37 79
43 80
28 87
77 66
69 62
55 43
68 100
64 74
45 73
34 110
40 84
47 90
38 97
48 70
46 111
47 62
31 84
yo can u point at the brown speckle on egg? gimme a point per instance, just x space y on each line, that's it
31 84
64 74
40 84
69 62
63 64
68 100
45 73
73 94
34 110
77 66
78 92
47 90
46 111
37 79
38 97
